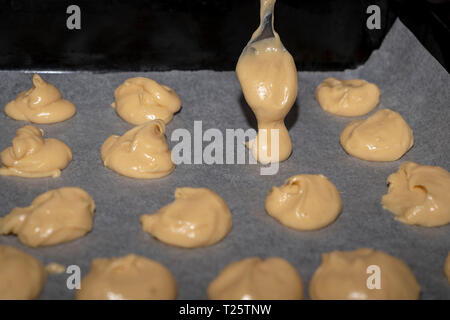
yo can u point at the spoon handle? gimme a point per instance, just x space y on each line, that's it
266 21
267 30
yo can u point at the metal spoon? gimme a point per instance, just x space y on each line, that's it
265 29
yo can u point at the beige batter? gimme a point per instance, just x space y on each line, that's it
343 276
131 277
197 218
447 268
384 136
305 202
32 156
43 103
55 268
141 153
268 78
54 217
22 276
139 100
347 98
419 195
257 279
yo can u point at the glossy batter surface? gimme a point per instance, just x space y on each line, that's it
140 99
131 277
43 103
32 156
305 202
343 275
419 195
349 98
141 153
384 136
197 218
22 276
54 217
257 279
269 82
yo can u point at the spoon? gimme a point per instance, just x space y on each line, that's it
265 29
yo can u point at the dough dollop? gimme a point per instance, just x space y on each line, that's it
384 136
32 156
54 217
305 202
139 100
43 103
269 82
141 153
348 98
198 217
447 267
344 275
257 279
419 195
131 277
22 276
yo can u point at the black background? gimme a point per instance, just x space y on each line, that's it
280 309
204 34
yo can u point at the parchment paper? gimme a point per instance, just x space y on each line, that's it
412 82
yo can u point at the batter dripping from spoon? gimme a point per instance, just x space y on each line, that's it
268 78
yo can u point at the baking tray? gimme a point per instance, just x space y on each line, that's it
412 82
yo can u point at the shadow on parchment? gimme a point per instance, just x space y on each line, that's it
290 119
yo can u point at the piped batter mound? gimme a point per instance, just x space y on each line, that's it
54 217
43 103
269 82
305 202
197 218
384 136
141 153
32 156
447 268
139 100
343 275
22 276
419 195
257 279
131 277
349 98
